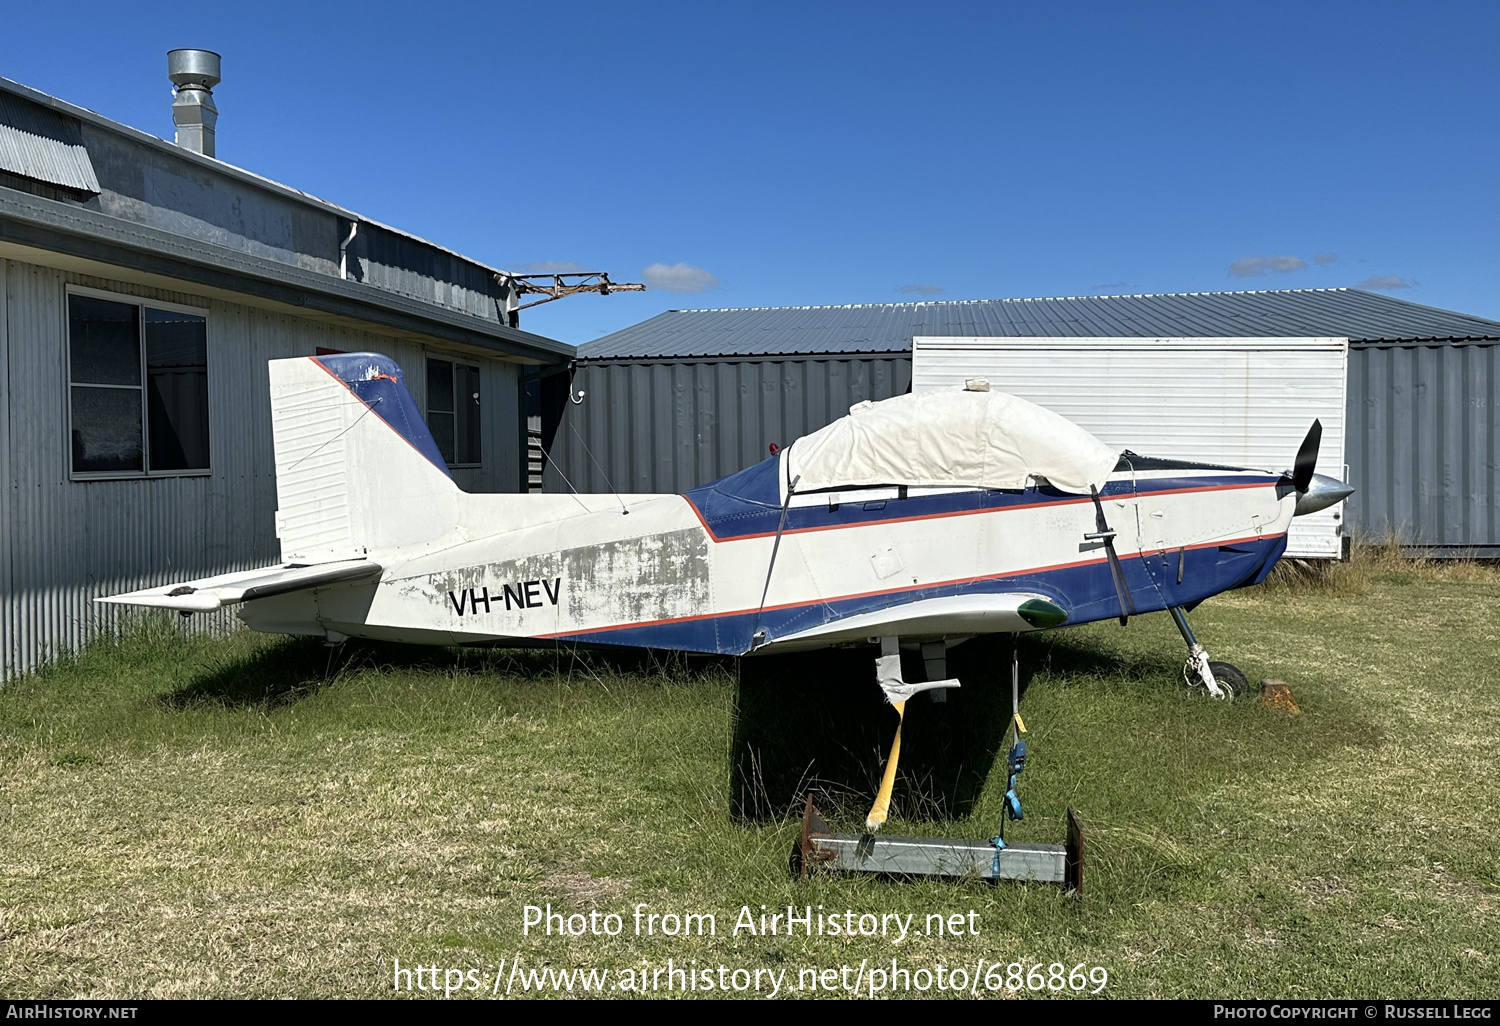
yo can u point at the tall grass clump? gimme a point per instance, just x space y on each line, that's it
1371 562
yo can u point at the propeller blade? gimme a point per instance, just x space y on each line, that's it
1307 458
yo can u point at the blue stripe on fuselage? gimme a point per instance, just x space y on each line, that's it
1086 591
746 505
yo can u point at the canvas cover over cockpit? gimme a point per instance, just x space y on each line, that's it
952 437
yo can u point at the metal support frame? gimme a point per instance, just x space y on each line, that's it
819 847
587 281
935 662
1015 688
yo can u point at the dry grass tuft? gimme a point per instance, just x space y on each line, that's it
582 889
1369 562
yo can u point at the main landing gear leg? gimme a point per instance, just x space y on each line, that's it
897 692
1223 680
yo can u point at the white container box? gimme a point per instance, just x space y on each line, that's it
1242 402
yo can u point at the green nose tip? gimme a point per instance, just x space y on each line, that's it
1041 613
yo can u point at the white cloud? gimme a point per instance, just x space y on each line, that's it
1111 286
1254 267
1325 258
921 290
679 278
1385 283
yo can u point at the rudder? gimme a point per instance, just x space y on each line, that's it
357 470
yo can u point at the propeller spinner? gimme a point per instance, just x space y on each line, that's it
1315 491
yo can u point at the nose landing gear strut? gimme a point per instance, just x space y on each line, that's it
1223 680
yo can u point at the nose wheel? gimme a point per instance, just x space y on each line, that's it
1227 676
1222 680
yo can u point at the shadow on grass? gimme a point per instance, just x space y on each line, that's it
291 669
276 675
537 661
816 723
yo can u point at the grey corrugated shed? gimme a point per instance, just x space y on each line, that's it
278 274
64 543
672 425
44 145
1423 447
691 395
888 327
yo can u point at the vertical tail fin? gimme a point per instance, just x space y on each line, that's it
357 470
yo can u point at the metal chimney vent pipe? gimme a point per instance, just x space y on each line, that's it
194 73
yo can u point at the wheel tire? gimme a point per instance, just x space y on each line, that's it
1230 679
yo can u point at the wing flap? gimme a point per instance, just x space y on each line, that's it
211 593
952 615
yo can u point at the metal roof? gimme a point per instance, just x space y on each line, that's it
888 327
175 152
270 252
44 145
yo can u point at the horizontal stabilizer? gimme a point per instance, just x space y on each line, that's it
227 589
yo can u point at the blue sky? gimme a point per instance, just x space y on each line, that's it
776 154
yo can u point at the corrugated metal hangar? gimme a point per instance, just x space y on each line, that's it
143 288
691 395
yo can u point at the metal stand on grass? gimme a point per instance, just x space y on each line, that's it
994 859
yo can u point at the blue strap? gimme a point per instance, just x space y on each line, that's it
1016 761
1017 758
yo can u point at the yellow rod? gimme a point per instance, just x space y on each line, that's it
876 819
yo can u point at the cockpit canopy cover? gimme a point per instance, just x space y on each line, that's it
950 437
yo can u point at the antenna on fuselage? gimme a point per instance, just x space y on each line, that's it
624 510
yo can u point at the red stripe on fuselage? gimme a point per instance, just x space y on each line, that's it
894 591
967 512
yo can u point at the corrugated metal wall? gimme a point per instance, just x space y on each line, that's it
664 426
399 263
1423 430
6 490
69 541
1424 446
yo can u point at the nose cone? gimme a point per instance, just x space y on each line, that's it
1321 493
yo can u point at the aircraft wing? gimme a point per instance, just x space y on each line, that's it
949 616
226 589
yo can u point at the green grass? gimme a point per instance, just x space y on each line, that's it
248 816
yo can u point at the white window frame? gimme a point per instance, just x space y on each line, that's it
451 360
140 303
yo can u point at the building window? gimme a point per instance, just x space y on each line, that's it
137 388
453 411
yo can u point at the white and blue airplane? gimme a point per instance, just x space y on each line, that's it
921 520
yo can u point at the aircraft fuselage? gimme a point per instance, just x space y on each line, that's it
695 572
